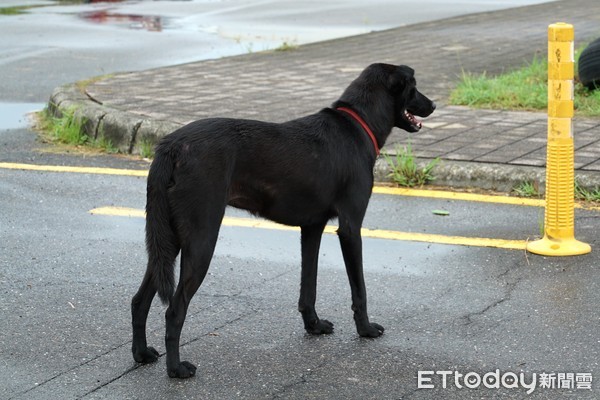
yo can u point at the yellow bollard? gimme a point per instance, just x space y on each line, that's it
559 229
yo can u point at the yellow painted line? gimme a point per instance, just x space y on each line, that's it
475 197
444 239
408 192
119 212
369 233
441 194
79 170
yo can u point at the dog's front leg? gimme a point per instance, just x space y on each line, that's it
311 241
351 243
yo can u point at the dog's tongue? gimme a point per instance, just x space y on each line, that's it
418 121
414 120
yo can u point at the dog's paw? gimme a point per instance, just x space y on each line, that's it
320 327
371 330
184 370
146 355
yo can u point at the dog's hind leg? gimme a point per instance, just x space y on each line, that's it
311 240
350 221
140 305
196 254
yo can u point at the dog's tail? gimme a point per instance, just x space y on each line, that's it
162 243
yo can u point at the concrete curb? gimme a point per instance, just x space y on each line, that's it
497 177
130 133
126 132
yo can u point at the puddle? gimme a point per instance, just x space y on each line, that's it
150 23
14 115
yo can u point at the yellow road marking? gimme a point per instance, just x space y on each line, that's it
462 196
119 212
408 192
441 194
79 170
370 233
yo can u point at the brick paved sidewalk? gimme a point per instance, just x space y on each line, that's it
278 86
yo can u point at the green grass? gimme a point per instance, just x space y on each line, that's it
83 84
18 10
146 149
531 189
104 144
587 102
69 129
406 172
286 46
582 193
524 88
521 89
527 189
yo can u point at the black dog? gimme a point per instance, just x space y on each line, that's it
302 173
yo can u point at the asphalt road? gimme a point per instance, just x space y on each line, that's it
67 277
61 43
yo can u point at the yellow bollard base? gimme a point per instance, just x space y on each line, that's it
558 247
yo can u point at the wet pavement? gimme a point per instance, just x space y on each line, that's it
490 149
17 115
67 276
58 43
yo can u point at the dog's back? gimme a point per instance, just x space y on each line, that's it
289 172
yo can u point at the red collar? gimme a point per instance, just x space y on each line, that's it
363 124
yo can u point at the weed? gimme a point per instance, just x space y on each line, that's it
531 189
105 144
13 10
587 102
285 46
582 193
67 129
523 89
147 149
541 222
83 84
527 189
18 10
406 172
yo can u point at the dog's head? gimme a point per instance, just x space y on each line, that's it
387 96
409 103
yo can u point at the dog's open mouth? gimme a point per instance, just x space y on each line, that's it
412 120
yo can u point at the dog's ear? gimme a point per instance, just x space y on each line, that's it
401 77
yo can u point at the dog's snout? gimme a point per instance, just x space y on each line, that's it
433 106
